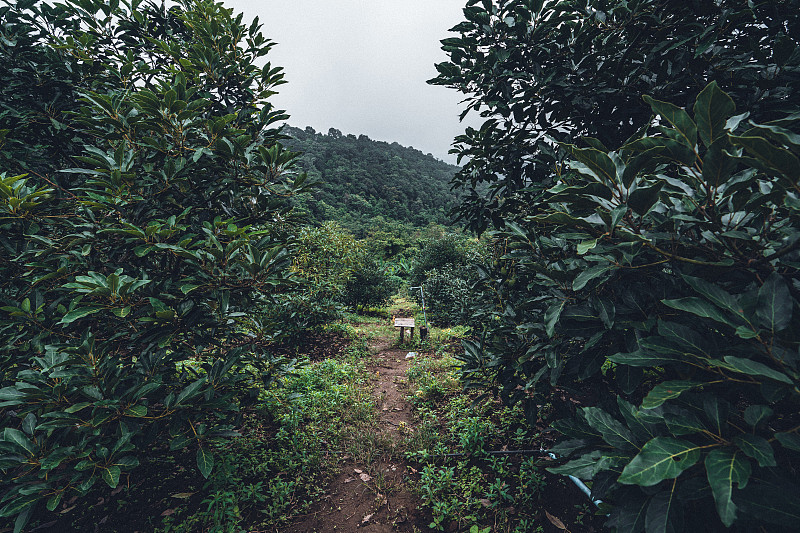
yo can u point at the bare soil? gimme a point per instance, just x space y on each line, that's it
374 498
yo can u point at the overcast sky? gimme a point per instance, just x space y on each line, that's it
360 66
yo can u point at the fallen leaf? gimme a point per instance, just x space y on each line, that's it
365 477
68 509
367 518
485 502
183 495
357 471
380 500
555 521
348 480
168 512
117 490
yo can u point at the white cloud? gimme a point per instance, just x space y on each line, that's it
361 66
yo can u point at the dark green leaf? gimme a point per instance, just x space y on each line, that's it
664 513
190 391
599 163
772 157
667 390
754 368
588 275
81 312
774 304
717 163
643 199
790 441
724 468
614 433
679 119
771 503
111 475
661 458
552 315
755 414
712 109
585 467
205 461
756 447
19 438
700 307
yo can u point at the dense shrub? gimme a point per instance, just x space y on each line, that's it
370 286
650 269
323 260
445 268
664 277
141 156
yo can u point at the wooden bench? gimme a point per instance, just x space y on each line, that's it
404 323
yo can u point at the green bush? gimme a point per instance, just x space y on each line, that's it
323 260
141 163
646 256
445 268
447 297
664 276
370 286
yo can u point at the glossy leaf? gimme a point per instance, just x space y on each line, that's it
205 461
661 458
724 469
678 118
111 475
667 390
712 109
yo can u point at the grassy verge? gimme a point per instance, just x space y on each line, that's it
289 446
470 476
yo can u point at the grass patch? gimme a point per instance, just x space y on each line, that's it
289 448
462 482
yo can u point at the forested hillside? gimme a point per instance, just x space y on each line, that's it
363 178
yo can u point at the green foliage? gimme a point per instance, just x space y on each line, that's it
543 71
472 486
445 269
324 259
141 165
678 279
363 180
370 286
662 274
265 478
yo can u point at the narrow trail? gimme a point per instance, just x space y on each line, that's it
374 498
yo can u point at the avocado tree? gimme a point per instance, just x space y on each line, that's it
646 249
540 71
143 212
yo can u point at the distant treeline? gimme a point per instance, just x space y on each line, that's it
363 179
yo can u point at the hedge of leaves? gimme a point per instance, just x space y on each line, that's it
142 213
665 275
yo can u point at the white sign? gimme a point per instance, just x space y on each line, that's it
404 322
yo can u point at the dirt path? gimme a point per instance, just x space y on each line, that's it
374 498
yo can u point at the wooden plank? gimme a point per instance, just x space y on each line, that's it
404 322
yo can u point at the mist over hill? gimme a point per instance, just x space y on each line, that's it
363 179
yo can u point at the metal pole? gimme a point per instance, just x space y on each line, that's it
422 294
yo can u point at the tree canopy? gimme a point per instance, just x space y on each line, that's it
144 215
362 178
642 165
539 71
